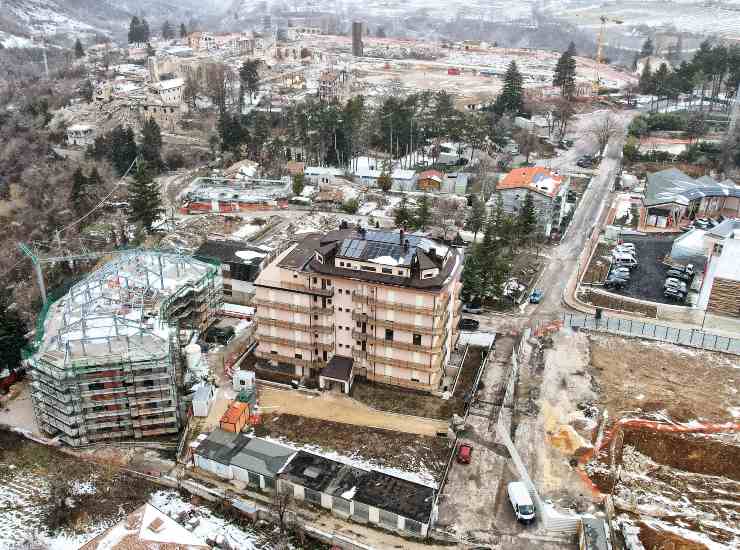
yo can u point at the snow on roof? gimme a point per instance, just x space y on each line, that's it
170 84
249 254
537 178
79 128
728 265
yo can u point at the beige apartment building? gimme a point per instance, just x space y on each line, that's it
354 302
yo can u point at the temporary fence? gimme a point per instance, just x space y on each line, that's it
695 338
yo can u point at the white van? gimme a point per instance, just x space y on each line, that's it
521 501
624 260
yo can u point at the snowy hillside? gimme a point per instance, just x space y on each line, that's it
20 19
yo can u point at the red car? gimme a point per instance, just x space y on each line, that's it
464 452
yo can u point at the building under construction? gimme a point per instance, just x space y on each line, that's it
107 362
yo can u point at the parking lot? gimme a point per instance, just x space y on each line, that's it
646 282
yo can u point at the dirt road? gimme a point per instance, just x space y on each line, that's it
340 408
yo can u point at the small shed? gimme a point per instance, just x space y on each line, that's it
235 417
338 373
430 180
202 400
243 379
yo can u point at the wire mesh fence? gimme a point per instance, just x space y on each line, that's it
695 338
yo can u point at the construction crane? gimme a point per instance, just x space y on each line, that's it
600 49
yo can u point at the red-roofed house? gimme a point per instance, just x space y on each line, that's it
548 190
430 180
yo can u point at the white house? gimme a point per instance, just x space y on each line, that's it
81 135
169 91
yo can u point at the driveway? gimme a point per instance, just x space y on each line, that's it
340 408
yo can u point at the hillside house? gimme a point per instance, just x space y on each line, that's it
548 190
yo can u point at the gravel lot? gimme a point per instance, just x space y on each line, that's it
648 279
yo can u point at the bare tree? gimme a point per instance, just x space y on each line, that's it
220 82
604 130
191 91
563 111
282 499
527 141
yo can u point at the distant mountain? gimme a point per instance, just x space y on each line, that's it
67 19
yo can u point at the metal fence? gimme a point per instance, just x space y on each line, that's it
694 338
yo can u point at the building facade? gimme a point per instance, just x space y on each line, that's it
107 365
547 189
81 135
387 301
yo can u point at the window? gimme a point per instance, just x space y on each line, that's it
417 339
315 280
341 264
340 291
274 352
346 328
298 356
400 271
387 270
315 317
340 309
295 276
368 268
389 334
315 298
359 325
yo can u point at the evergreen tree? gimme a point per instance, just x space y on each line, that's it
87 91
423 213
79 50
472 275
122 149
232 134
249 76
12 336
646 84
402 216
298 184
167 31
660 81
79 188
144 32
510 100
183 30
151 145
145 202
134 33
477 217
385 182
647 48
527 220
565 72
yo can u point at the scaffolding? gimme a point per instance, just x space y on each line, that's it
106 362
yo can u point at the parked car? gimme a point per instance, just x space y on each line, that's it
678 274
628 248
620 271
624 260
704 223
521 501
615 282
472 308
536 296
688 269
675 284
674 294
469 324
464 453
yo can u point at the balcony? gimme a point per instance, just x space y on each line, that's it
407 346
294 343
305 288
303 327
312 308
290 360
398 306
439 324
393 362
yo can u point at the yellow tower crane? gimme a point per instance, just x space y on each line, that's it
600 49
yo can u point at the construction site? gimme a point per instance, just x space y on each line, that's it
106 361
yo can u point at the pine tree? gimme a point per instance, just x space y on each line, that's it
12 336
565 72
79 188
477 217
79 50
249 76
647 48
402 216
660 81
298 184
646 84
151 145
121 149
133 30
527 220
183 30
144 31
511 98
167 31
423 213
145 202
472 275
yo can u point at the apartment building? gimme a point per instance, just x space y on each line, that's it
377 304
107 363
